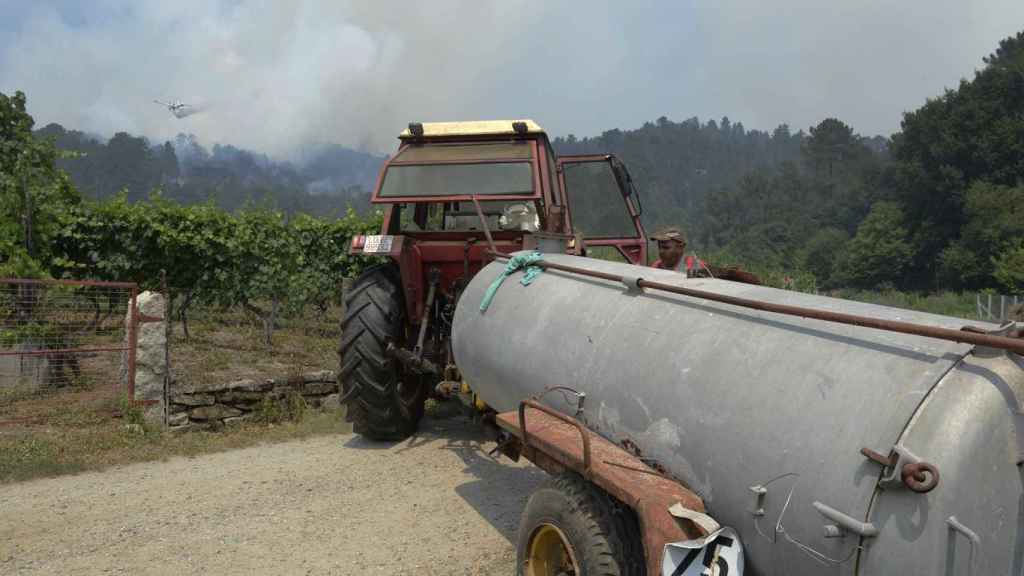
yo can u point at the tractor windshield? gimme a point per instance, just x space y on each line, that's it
460 170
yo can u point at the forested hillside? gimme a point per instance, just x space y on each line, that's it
324 180
938 205
258 258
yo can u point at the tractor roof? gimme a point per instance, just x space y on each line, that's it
473 128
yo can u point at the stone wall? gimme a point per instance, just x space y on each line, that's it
210 406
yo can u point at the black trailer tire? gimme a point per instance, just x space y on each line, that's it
384 402
599 534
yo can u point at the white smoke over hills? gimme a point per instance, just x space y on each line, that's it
281 76
273 77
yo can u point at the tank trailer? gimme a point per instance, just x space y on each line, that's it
703 426
690 426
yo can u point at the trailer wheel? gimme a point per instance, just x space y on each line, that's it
384 402
572 528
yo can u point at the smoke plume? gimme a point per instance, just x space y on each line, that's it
279 76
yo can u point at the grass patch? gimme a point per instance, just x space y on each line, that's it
18 392
228 345
959 305
292 408
73 430
86 442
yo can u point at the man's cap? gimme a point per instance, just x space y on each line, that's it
671 233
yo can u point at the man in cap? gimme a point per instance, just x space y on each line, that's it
671 245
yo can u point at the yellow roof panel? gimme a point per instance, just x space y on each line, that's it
473 128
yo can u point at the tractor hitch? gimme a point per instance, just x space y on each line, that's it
412 360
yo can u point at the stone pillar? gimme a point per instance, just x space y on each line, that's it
346 285
151 357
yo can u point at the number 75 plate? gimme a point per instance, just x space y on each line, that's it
718 554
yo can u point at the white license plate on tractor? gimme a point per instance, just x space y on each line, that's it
378 244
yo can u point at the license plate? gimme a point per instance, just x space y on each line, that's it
378 244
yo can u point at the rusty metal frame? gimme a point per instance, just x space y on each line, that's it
131 348
98 283
133 343
632 248
586 471
552 196
59 351
585 157
557 442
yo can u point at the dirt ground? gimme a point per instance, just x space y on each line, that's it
433 504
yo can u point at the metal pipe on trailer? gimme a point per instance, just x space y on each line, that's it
967 335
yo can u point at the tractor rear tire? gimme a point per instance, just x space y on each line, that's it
384 401
571 526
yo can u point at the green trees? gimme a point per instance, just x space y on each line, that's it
322 183
969 135
32 192
322 249
1009 268
831 143
938 207
879 253
993 225
677 165
256 259
822 253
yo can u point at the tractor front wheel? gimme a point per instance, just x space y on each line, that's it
384 401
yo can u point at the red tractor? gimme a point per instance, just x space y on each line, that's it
452 194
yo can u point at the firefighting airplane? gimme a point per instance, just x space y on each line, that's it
178 108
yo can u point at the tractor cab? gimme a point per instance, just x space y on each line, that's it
451 185
454 193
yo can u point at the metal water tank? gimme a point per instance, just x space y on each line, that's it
766 416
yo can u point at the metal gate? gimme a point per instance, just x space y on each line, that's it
65 341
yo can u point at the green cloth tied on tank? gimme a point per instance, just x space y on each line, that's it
517 262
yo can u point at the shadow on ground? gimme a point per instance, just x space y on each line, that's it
499 488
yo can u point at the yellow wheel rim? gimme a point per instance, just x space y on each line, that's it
549 553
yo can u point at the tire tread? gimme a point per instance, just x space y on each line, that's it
610 534
374 317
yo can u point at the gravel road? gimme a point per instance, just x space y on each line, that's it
433 504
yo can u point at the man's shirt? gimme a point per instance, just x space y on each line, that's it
688 265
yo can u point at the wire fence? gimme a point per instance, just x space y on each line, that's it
998 307
62 337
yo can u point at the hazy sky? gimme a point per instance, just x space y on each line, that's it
277 75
